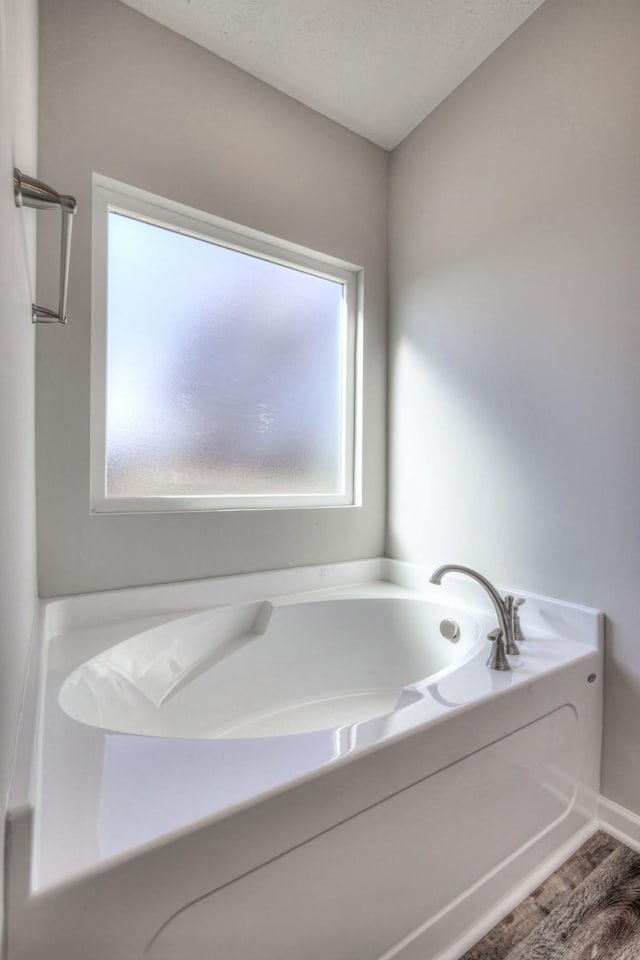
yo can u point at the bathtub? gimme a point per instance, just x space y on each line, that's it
299 763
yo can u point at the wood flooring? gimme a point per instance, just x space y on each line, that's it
589 909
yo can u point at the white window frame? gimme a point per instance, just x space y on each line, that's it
111 196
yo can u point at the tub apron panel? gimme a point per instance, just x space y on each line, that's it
370 882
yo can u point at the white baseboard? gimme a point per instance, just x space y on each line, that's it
619 822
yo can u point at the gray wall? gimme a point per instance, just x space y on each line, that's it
125 97
515 353
515 345
18 116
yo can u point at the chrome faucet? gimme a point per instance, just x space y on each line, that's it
503 638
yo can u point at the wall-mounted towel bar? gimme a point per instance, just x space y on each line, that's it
30 192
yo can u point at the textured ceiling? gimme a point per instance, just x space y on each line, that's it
376 66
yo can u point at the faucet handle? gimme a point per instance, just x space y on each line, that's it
497 659
513 619
518 636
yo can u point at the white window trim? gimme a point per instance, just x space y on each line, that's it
112 196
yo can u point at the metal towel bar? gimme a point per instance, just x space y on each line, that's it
29 192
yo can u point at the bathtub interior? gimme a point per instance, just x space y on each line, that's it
269 668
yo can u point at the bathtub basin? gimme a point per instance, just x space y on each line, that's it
268 668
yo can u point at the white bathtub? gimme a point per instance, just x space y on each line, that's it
295 764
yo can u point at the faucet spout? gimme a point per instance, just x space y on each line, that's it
504 621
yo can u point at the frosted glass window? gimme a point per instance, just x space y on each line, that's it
228 372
